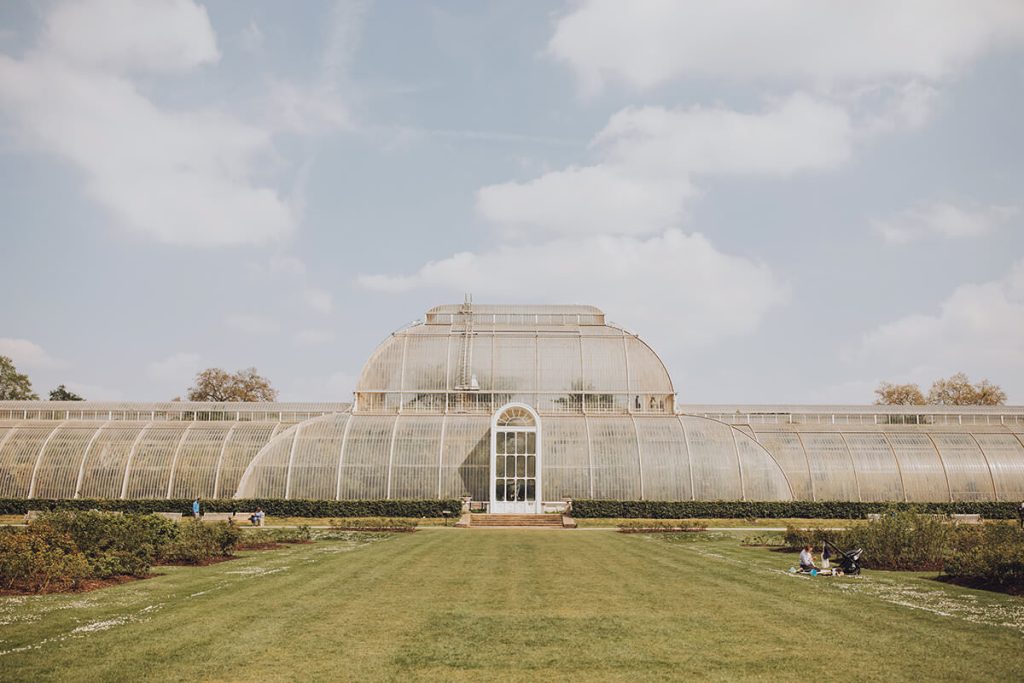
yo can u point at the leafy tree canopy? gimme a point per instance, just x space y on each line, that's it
215 384
955 390
899 395
14 386
61 393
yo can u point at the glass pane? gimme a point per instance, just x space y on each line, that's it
531 466
499 489
531 490
521 466
499 443
499 466
520 490
531 443
520 443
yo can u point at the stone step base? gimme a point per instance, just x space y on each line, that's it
553 521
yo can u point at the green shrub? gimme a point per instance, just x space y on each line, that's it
644 525
253 538
374 524
899 540
225 536
991 554
114 544
724 509
40 558
197 542
764 540
275 507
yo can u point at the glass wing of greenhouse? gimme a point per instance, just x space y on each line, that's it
515 406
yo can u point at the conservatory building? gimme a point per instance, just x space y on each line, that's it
515 406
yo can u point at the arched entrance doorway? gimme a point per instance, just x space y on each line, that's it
515 460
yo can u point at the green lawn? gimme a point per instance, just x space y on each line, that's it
513 605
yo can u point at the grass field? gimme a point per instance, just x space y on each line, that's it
513 605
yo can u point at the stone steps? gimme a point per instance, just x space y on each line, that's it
550 521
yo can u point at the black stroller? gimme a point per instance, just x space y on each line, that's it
848 560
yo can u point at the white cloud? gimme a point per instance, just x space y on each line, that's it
978 329
587 200
676 283
318 299
645 44
940 219
131 35
312 337
178 368
180 177
648 156
798 133
251 324
28 354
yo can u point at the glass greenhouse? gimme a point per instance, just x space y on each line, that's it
515 406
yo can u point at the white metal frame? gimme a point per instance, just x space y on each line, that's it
516 507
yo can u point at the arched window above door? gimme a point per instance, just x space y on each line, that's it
514 416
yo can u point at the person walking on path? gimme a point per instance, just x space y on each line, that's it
195 507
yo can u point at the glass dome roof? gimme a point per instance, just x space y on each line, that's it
560 359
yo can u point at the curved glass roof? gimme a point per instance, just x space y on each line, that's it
899 462
168 410
127 458
421 456
532 355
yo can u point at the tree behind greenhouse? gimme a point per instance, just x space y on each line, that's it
61 393
220 386
14 386
956 390
899 395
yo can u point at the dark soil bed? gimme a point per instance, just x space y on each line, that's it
82 587
967 582
203 563
652 530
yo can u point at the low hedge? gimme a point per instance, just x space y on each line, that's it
278 508
725 509
640 509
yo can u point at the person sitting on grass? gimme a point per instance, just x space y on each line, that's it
806 559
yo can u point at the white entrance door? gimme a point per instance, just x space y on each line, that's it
515 460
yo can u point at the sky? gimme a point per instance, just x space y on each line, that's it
789 201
